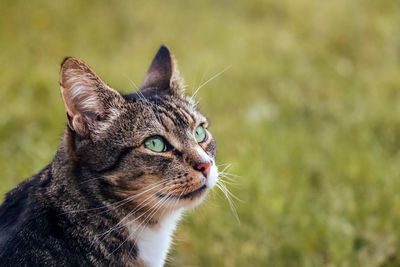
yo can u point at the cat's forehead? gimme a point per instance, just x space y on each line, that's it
167 113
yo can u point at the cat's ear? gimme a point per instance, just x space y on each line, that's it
88 100
163 75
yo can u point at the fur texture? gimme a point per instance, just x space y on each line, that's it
106 198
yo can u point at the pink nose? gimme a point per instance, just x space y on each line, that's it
204 168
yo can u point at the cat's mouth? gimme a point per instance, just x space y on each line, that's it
195 192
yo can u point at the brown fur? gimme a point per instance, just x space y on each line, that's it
103 176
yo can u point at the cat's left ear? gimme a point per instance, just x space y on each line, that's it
163 75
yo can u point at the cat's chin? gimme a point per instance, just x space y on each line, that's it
191 199
192 202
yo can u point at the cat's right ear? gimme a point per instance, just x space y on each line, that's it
163 75
87 99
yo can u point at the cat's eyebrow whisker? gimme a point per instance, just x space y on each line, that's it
132 82
209 80
149 105
194 86
146 102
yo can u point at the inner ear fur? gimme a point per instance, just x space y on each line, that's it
87 99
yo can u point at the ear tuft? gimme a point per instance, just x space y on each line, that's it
86 97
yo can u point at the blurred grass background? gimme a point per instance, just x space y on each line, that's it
308 114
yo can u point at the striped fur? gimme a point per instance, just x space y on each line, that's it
106 199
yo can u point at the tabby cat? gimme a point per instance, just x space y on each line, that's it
127 167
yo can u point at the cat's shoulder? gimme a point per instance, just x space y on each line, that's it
20 206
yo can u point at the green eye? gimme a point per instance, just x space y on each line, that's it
155 143
200 134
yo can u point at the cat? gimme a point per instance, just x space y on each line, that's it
127 166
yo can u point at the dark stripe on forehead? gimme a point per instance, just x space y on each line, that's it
173 112
172 116
189 114
185 113
162 113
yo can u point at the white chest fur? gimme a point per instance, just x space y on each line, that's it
153 244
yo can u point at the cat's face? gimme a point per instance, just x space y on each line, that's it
173 149
151 147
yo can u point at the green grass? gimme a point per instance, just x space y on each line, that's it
308 114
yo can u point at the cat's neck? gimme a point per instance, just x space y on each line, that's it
154 241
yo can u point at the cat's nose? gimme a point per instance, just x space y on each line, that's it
204 168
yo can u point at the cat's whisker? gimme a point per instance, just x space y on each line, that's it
218 194
132 82
141 226
174 203
148 104
225 173
209 80
138 207
230 193
152 212
132 212
90 180
195 103
152 187
230 174
228 178
120 202
228 182
226 192
166 198
227 166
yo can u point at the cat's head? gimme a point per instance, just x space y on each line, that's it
151 147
